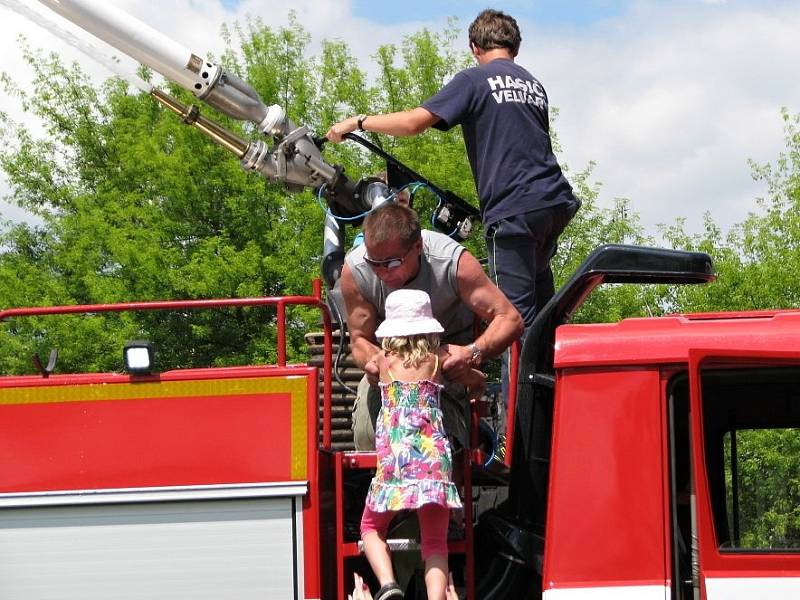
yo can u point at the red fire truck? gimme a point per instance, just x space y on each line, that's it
629 441
635 467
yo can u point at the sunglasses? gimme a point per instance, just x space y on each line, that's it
388 263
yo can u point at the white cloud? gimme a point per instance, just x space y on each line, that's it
670 99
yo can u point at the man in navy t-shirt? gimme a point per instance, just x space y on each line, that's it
525 200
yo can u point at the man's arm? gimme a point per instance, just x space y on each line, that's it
361 321
483 297
398 124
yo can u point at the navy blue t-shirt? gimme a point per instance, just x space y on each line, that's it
502 110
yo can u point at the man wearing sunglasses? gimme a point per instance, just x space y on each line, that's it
396 254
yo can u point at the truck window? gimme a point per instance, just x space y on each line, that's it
751 422
762 488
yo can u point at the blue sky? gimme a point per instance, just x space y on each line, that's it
545 12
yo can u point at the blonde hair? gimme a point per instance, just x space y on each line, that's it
412 349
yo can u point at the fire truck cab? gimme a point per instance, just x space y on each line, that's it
674 459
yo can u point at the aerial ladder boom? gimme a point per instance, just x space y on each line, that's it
287 153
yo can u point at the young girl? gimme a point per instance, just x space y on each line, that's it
415 462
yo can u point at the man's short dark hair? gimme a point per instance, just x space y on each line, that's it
392 221
495 29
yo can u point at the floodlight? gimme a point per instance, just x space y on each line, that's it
138 356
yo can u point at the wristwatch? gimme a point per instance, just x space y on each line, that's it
477 355
360 120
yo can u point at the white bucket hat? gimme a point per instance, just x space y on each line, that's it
408 312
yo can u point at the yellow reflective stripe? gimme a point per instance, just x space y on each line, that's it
295 386
132 391
299 434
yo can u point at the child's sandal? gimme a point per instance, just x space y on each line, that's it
391 591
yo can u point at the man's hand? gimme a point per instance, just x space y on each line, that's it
450 593
458 364
361 591
373 369
476 384
336 132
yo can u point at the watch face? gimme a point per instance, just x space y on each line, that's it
476 353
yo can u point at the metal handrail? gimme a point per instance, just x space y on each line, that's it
511 404
280 302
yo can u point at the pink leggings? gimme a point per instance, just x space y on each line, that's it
433 520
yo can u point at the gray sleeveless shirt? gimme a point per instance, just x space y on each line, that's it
437 276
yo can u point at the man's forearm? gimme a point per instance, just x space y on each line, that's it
363 351
398 124
502 331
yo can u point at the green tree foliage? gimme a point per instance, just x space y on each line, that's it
758 260
767 488
136 206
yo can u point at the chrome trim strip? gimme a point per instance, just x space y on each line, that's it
155 494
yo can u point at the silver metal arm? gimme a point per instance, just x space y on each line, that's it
293 158
208 81
290 155
287 154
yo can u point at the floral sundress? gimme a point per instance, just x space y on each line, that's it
415 464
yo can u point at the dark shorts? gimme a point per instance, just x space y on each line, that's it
520 249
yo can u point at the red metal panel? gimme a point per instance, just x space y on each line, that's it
52 443
606 518
665 377
668 338
145 442
20 381
186 428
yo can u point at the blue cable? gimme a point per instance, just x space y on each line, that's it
415 185
328 212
